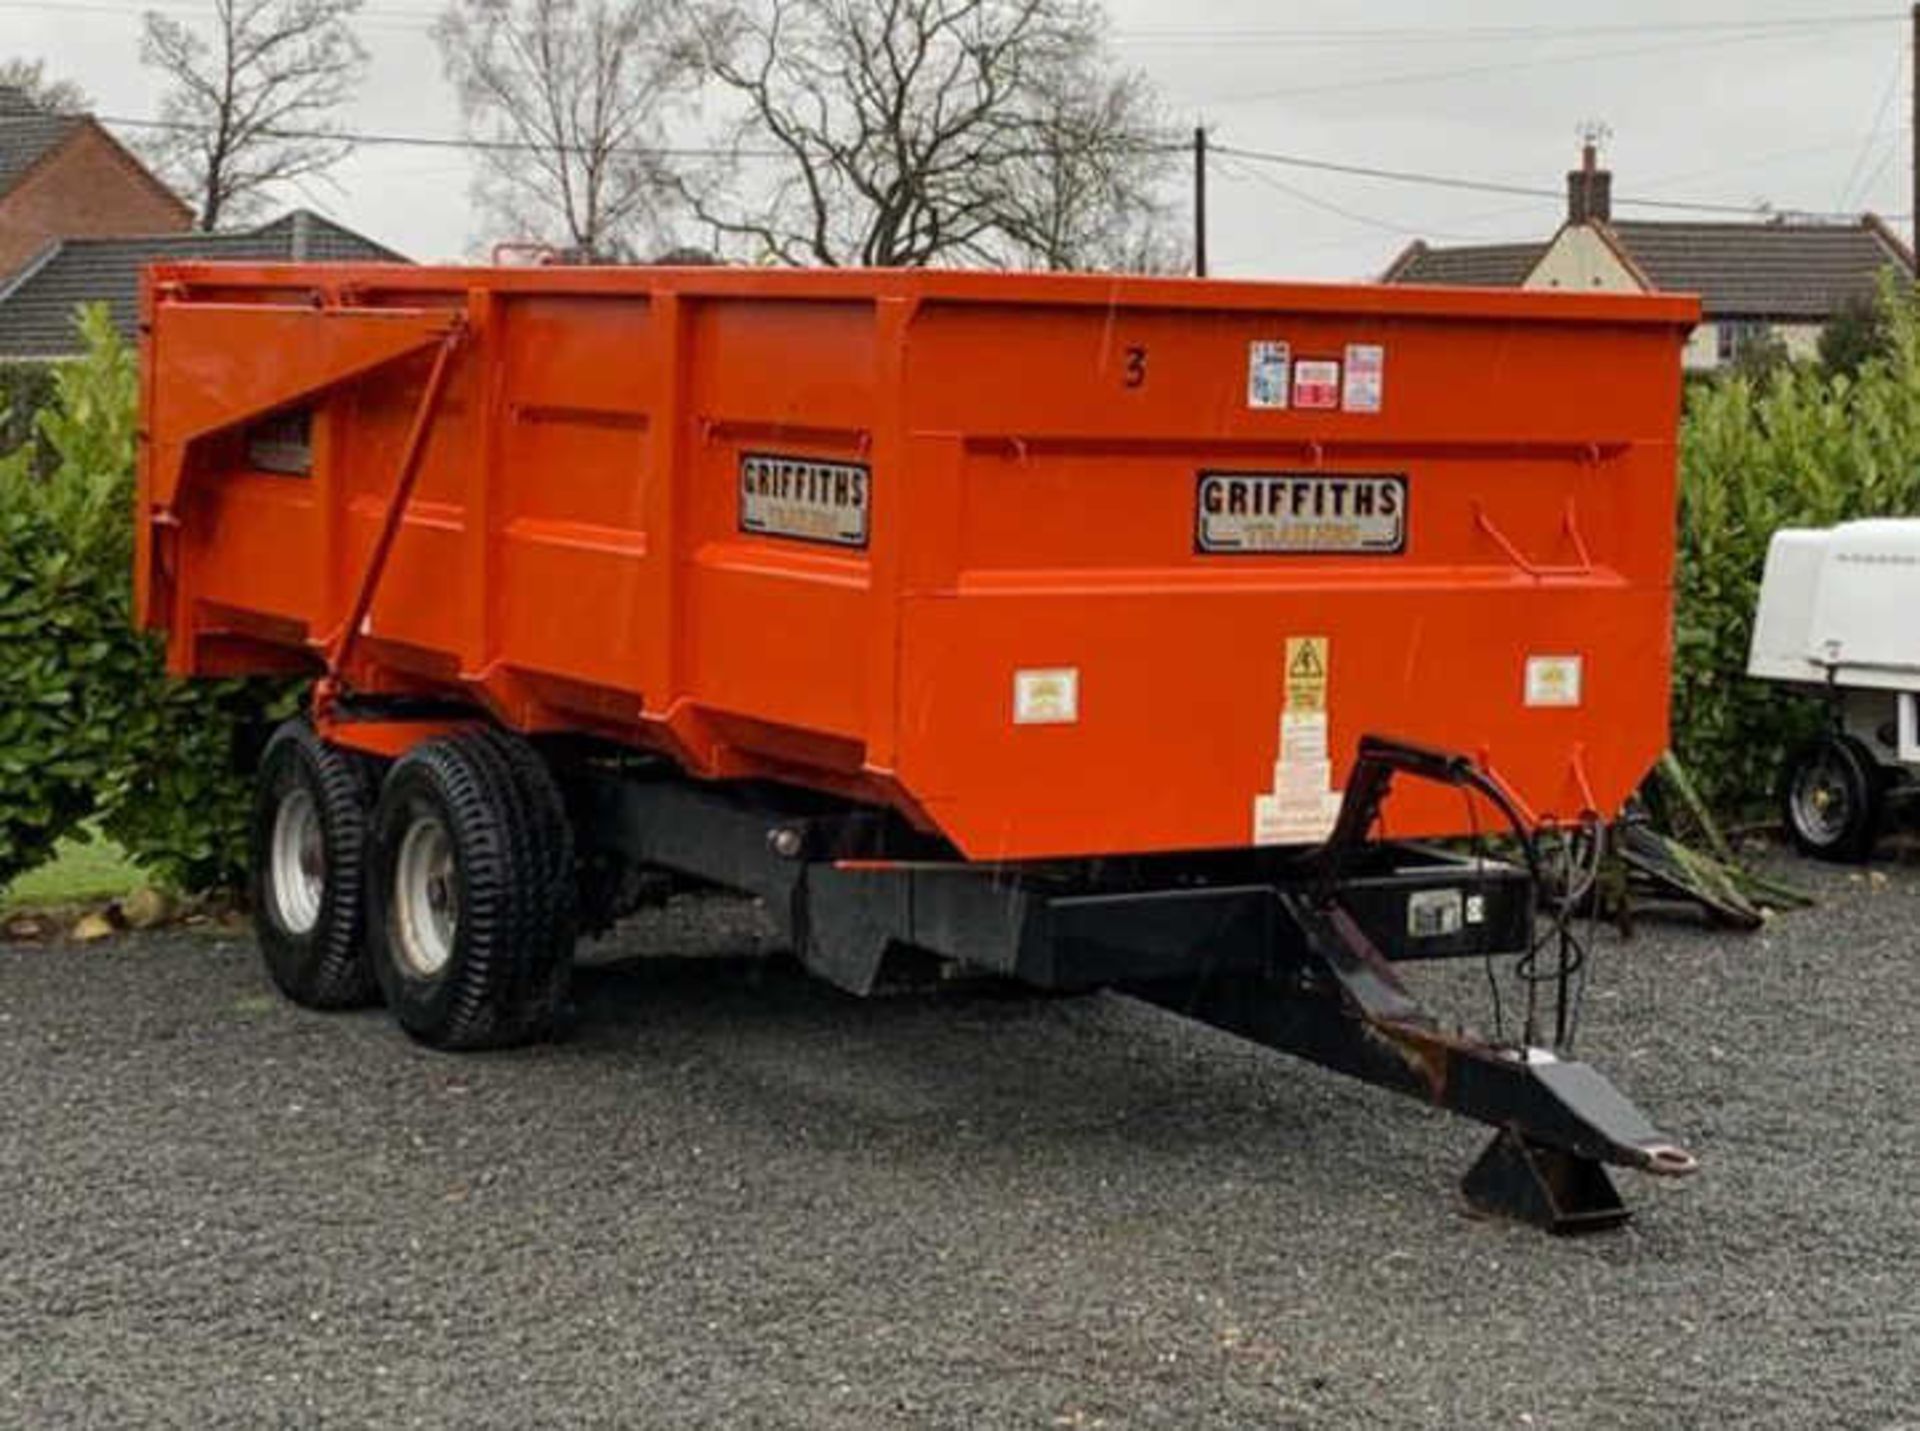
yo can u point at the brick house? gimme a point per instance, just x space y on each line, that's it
65 176
1756 280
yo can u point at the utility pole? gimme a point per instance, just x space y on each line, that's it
1914 71
1200 180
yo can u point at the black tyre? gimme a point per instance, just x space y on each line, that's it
471 914
1831 799
311 811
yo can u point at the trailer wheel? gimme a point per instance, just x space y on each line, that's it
472 906
307 867
1832 797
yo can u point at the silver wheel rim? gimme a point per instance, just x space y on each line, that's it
426 897
297 862
1822 799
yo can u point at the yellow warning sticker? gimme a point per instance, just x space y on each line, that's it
1302 806
1306 673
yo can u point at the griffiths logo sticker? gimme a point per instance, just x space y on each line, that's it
805 499
1301 512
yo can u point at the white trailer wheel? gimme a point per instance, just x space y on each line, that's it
297 862
426 897
1831 799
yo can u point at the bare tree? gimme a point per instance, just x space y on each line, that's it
252 98
567 100
28 79
924 131
1093 191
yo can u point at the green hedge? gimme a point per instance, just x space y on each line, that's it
90 726
25 388
1802 447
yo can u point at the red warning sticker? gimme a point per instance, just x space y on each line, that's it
1316 383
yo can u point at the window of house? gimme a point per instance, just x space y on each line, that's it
1736 335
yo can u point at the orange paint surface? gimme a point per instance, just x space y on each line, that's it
813 526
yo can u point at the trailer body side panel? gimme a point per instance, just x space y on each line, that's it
1053 565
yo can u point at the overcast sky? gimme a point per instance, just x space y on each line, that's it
1721 101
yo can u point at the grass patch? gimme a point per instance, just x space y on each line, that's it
82 871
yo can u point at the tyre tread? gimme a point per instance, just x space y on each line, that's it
327 969
513 956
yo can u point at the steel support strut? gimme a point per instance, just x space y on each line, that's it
340 647
1326 993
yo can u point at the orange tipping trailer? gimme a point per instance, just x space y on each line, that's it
908 593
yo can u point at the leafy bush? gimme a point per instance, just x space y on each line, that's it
53 753
1801 448
1852 336
90 725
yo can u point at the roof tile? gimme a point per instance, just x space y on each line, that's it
1752 270
37 306
26 137
1492 265
1772 270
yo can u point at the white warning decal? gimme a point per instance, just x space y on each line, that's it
1303 805
1365 382
1049 697
1269 371
1554 680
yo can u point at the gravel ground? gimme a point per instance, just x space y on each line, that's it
736 1198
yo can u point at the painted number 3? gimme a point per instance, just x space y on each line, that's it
1136 367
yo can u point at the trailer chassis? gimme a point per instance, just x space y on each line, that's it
1290 950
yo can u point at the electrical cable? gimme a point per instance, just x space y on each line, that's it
1169 145
1579 879
1600 833
1419 77
1373 36
1491 186
1479 885
1873 129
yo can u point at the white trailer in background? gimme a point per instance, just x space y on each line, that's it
1840 614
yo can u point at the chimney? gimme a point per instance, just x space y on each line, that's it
1589 189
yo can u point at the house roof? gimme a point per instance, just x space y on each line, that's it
1770 270
1487 265
1759 270
37 304
28 134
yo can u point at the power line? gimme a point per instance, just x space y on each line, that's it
392 22
1873 129
1754 161
1333 35
421 20
1243 171
1503 66
1892 152
438 141
1478 34
1170 145
1491 186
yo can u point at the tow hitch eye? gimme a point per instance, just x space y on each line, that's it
1667 1161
